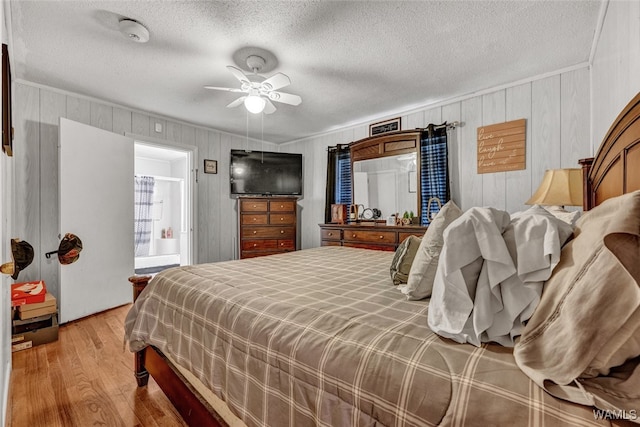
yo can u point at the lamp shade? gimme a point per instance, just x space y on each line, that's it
254 103
559 187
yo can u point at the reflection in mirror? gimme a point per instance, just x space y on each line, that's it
387 183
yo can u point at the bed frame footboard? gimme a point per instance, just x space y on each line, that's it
141 373
193 408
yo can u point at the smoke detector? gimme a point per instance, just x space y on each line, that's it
134 30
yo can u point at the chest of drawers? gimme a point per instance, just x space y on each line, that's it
267 225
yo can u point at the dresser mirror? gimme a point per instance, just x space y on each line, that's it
385 170
387 183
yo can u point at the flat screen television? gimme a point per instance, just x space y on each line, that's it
265 173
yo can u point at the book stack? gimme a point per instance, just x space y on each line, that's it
34 315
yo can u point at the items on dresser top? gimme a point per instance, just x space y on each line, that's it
267 225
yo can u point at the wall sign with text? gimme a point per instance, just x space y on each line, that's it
501 147
392 125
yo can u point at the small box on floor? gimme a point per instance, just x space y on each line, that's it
48 306
32 332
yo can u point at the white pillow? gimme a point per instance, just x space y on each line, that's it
423 270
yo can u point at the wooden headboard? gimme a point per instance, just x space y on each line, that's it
616 168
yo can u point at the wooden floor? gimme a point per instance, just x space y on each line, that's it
85 379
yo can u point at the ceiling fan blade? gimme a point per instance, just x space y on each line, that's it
227 89
285 98
236 102
276 81
238 74
269 108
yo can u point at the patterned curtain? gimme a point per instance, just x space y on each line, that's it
144 186
434 171
338 178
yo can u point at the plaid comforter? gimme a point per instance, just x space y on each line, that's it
321 337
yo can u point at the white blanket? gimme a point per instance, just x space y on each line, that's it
491 271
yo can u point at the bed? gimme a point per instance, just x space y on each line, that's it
320 337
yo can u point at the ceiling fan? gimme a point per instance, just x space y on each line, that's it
260 91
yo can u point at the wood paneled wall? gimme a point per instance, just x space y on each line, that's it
558 128
36 211
615 74
557 113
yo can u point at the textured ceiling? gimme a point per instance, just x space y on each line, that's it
350 61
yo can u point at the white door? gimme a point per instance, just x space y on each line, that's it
96 204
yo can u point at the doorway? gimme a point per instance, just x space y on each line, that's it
163 207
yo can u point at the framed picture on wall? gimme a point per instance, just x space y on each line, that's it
7 127
384 127
210 166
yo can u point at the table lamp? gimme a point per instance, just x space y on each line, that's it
559 187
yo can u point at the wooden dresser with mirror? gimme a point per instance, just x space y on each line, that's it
386 176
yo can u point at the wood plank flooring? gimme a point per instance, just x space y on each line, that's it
85 379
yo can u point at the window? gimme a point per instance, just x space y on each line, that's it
343 178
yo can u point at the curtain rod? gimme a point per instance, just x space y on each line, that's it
451 125
161 178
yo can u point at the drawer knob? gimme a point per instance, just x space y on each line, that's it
255 219
282 206
353 235
330 234
281 244
281 219
255 232
381 237
255 206
255 244
281 231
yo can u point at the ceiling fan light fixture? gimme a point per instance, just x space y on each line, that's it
258 91
254 104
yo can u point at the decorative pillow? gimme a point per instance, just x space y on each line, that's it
588 320
403 259
425 264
